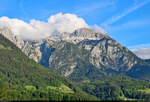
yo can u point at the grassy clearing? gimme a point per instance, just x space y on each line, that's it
62 88
30 88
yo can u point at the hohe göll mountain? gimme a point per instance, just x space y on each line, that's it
74 50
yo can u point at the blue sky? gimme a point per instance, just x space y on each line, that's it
127 21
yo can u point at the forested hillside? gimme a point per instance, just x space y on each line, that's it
23 79
118 88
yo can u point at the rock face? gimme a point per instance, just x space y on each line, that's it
103 49
32 49
82 34
78 53
67 57
109 53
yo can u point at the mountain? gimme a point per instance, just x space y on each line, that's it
84 52
140 71
106 51
73 62
23 79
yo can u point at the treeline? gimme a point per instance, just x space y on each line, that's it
117 88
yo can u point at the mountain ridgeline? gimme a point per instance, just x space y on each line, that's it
82 52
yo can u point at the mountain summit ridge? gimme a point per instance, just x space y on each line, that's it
83 34
68 53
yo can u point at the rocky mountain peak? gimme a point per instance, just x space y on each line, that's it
9 35
88 33
83 34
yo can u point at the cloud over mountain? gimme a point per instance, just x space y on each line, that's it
143 53
35 29
66 22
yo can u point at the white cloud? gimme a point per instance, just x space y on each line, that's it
38 30
33 31
143 53
66 22
142 50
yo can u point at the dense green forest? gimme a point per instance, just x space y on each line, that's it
23 79
118 88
